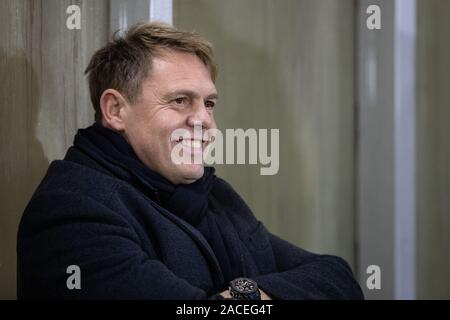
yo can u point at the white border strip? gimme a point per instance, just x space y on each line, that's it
125 13
405 151
161 10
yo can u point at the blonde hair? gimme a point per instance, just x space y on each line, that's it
125 62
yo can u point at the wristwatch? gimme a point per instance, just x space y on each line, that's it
244 289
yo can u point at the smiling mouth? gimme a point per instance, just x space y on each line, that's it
192 143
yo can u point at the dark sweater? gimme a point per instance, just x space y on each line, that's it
129 247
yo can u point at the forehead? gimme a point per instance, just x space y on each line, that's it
173 70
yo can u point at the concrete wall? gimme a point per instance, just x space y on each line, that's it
433 149
289 64
44 98
375 151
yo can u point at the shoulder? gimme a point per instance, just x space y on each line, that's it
76 180
72 192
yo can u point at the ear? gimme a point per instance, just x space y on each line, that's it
113 105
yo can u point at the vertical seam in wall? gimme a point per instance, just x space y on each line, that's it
356 257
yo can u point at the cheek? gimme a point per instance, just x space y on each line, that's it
213 120
159 140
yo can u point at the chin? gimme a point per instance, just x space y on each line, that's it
191 173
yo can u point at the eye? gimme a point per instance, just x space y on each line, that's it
210 104
180 101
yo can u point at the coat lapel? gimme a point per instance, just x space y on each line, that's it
199 239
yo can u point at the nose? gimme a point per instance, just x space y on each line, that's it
200 114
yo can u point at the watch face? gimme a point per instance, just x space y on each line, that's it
244 289
244 285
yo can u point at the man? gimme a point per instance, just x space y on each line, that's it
137 225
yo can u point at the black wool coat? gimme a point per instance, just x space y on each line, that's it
129 247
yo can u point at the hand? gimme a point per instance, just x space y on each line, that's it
226 294
264 296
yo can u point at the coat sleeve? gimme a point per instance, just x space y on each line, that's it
79 231
304 275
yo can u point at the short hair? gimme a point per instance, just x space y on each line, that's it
125 62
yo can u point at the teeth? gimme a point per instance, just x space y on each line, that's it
186 143
192 143
196 144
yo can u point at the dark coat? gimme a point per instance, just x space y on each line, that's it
129 247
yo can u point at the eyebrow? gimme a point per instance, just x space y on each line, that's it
191 94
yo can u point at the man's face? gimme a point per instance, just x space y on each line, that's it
178 94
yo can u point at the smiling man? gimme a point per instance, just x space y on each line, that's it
138 225
178 93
